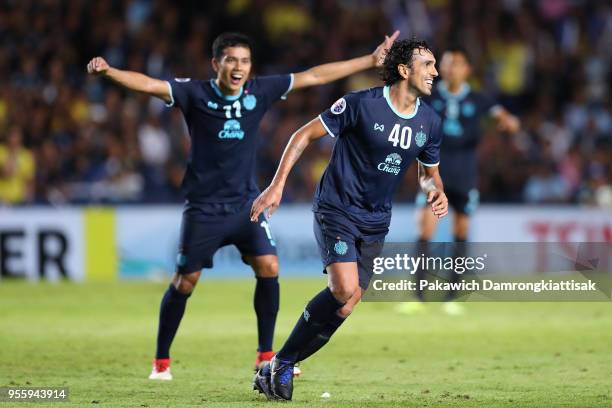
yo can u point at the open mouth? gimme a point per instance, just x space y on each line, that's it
235 78
429 82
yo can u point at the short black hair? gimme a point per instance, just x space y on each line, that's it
401 52
229 39
458 49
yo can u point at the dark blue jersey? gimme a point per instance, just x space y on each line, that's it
223 129
462 114
375 146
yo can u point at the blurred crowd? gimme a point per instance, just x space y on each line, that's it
66 137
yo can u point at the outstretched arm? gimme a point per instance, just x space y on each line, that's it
323 74
431 184
506 122
133 81
270 198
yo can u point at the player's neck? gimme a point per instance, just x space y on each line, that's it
454 88
403 98
224 90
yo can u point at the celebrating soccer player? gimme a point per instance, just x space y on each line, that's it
379 132
223 116
462 111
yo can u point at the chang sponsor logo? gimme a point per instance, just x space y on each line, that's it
392 164
231 130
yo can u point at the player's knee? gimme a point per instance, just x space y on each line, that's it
267 270
185 284
343 292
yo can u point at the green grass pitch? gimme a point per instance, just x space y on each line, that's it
98 340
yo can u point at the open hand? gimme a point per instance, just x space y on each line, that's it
269 199
381 51
439 203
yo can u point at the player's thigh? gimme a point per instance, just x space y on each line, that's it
464 204
264 266
425 218
367 252
255 242
200 238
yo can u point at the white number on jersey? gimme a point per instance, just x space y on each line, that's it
228 110
402 137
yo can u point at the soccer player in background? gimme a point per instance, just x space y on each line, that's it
223 116
379 133
462 110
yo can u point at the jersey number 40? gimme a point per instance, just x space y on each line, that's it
402 137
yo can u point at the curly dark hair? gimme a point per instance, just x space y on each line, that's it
401 52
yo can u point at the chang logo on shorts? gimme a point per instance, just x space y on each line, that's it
340 247
391 164
339 106
231 130
420 138
249 102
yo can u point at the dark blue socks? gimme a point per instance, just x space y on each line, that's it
170 315
313 328
266 301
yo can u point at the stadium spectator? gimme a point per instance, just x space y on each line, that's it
16 170
548 59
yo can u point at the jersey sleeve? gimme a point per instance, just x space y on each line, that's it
489 105
275 87
181 92
341 115
430 156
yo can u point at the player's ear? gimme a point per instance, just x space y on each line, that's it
403 70
215 64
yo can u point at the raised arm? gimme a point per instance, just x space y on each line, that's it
323 74
506 122
133 81
270 198
431 184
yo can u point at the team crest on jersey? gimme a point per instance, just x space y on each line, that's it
231 130
340 247
468 109
392 164
212 105
339 106
182 79
420 138
249 102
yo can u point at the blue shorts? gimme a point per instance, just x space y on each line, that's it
341 240
462 202
202 235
